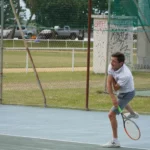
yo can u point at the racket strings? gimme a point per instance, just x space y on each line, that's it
132 130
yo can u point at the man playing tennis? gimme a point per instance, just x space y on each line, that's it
119 79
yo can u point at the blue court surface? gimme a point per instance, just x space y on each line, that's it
34 128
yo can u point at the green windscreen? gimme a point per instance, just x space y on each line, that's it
134 13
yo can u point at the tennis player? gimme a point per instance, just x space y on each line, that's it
119 79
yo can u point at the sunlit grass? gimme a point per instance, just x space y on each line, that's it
66 90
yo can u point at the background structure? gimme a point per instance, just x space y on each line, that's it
58 41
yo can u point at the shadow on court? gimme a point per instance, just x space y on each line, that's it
22 143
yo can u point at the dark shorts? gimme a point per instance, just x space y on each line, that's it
123 100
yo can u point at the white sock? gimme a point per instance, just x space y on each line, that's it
115 140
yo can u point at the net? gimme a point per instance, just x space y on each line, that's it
129 20
138 11
61 61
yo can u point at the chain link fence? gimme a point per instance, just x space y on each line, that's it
58 45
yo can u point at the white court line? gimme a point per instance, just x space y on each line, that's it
65 141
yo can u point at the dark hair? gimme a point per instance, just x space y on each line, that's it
120 56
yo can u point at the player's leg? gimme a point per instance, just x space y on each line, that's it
113 121
129 109
114 142
131 113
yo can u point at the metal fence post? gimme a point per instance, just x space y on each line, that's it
1 50
72 60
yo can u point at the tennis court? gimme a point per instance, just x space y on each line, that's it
34 128
143 93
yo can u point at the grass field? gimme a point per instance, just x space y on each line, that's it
47 43
62 89
67 90
45 59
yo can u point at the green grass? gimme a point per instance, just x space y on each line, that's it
47 43
45 59
66 90
48 59
62 89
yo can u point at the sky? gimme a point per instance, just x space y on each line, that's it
27 10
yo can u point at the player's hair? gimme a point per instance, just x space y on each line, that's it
120 56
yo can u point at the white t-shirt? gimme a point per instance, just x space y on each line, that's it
123 77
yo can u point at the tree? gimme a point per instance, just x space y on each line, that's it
62 12
9 18
58 12
33 6
101 5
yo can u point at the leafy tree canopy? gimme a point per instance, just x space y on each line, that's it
9 19
63 12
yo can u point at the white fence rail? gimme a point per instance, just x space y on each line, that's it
45 44
17 44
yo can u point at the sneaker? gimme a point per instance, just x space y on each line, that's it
111 144
135 115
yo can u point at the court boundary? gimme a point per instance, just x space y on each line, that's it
58 140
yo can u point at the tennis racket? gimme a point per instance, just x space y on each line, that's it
130 127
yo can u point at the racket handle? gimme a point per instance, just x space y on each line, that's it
119 109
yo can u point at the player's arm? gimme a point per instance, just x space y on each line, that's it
116 86
110 90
